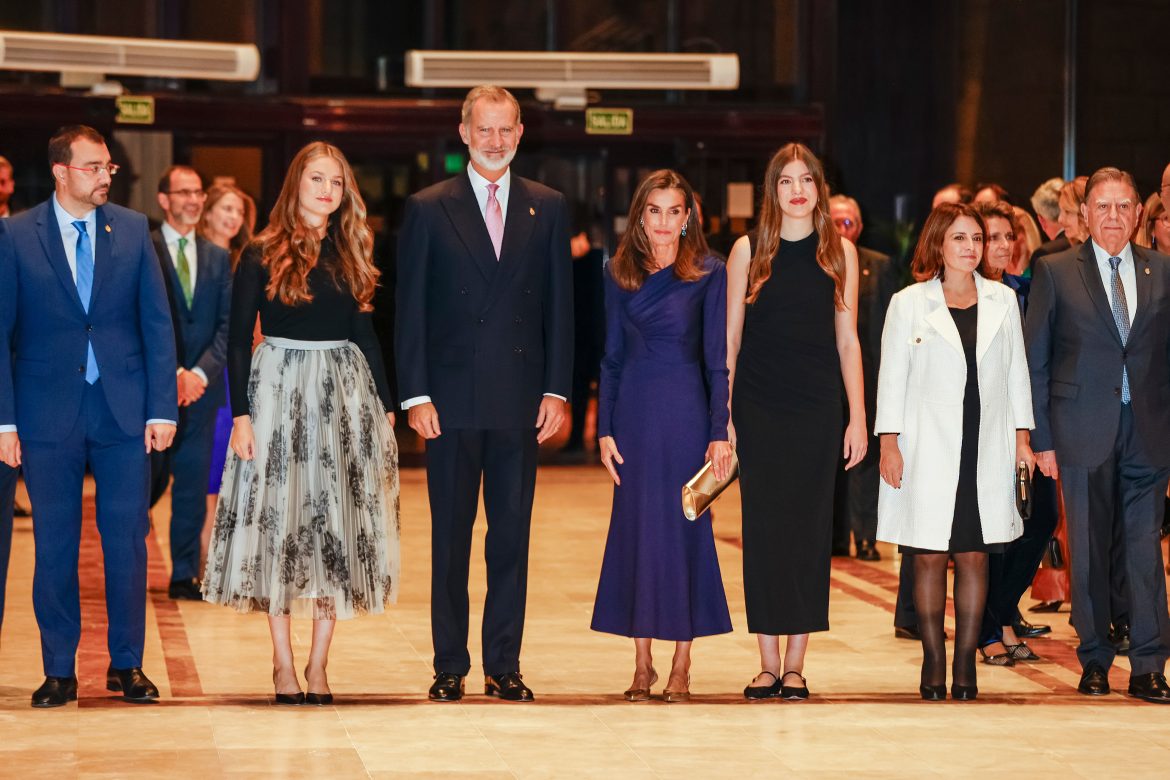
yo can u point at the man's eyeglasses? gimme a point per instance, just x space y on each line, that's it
844 222
197 194
94 170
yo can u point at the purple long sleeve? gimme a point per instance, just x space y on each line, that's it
715 348
615 355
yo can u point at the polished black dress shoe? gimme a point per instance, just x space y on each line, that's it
1150 687
55 692
446 687
1094 681
763 691
867 551
508 686
933 692
964 692
132 684
1045 606
185 590
1119 637
1025 630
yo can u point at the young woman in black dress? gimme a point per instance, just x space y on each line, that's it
791 344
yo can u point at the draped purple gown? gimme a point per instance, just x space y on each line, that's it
663 397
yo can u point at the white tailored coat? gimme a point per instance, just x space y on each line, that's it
920 397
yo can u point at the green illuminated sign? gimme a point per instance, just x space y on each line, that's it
609 121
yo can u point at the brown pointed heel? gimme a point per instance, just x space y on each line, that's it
642 694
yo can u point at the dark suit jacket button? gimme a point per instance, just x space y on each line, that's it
517 350
81 369
481 320
1117 391
519 321
463 291
89 328
527 291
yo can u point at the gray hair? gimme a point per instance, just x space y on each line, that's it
1110 173
491 93
846 200
1046 199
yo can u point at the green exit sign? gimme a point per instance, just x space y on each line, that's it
135 109
609 121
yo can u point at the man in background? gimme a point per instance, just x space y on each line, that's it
1046 204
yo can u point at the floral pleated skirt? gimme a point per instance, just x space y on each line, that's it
309 526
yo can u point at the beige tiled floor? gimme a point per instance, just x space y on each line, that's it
864 718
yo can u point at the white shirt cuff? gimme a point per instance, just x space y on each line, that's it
554 395
199 373
7 429
162 422
418 399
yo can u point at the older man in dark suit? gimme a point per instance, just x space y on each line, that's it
485 362
87 357
1098 341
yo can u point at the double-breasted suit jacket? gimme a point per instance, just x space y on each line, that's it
920 397
484 338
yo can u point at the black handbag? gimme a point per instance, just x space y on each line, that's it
1024 491
1054 555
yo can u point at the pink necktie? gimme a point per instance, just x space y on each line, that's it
494 219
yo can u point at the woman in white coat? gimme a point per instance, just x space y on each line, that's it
953 413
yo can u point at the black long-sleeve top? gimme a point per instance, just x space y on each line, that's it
332 315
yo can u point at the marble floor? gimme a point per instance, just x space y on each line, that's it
216 717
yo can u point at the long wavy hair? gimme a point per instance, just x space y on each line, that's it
289 247
830 252
236 243
634 259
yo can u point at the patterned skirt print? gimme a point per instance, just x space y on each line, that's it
309 527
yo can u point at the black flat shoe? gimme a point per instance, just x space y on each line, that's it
794 692
763 691
185 590
933 692
1094 681
320 699
507 687
447 686
55 692
1150 687
964 692
293 699
997 659
867 551
1044 606
134 686
1025 630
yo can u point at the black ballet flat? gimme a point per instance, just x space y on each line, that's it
763 691
319 699
933 692
293 699
794 692
964 692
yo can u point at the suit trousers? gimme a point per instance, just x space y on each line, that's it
54 473
8 477
1010 573
863 494
191 467
1124 490
457 460
905 615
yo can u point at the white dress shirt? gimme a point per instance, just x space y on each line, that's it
171 238
1125 270
479 186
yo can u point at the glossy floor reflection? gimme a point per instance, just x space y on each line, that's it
216 718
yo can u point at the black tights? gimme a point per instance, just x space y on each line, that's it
930 600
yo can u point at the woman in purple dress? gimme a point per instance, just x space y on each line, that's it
662 405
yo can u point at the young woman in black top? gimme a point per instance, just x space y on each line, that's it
307 521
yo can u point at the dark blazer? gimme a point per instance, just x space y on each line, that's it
1052 247
876 285
45 330
201 331
485 339
1075 357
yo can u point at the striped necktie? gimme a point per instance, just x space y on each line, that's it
1121 317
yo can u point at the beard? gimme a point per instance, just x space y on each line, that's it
99 197
490 164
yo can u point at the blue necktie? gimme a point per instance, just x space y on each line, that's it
85 291
1121 317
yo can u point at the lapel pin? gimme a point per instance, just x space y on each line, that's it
532 211
110 231
1147 270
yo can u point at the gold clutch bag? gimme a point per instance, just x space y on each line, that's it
702 489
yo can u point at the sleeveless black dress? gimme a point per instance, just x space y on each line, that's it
787 411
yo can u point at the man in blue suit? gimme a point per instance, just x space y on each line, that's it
87 375
201 294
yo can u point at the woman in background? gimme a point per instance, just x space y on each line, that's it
791 345
953 413
1154 231
307 521
663 402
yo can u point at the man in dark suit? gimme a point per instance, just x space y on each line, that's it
200 293
1098 341
876 284
86 376
1046 204
485 362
